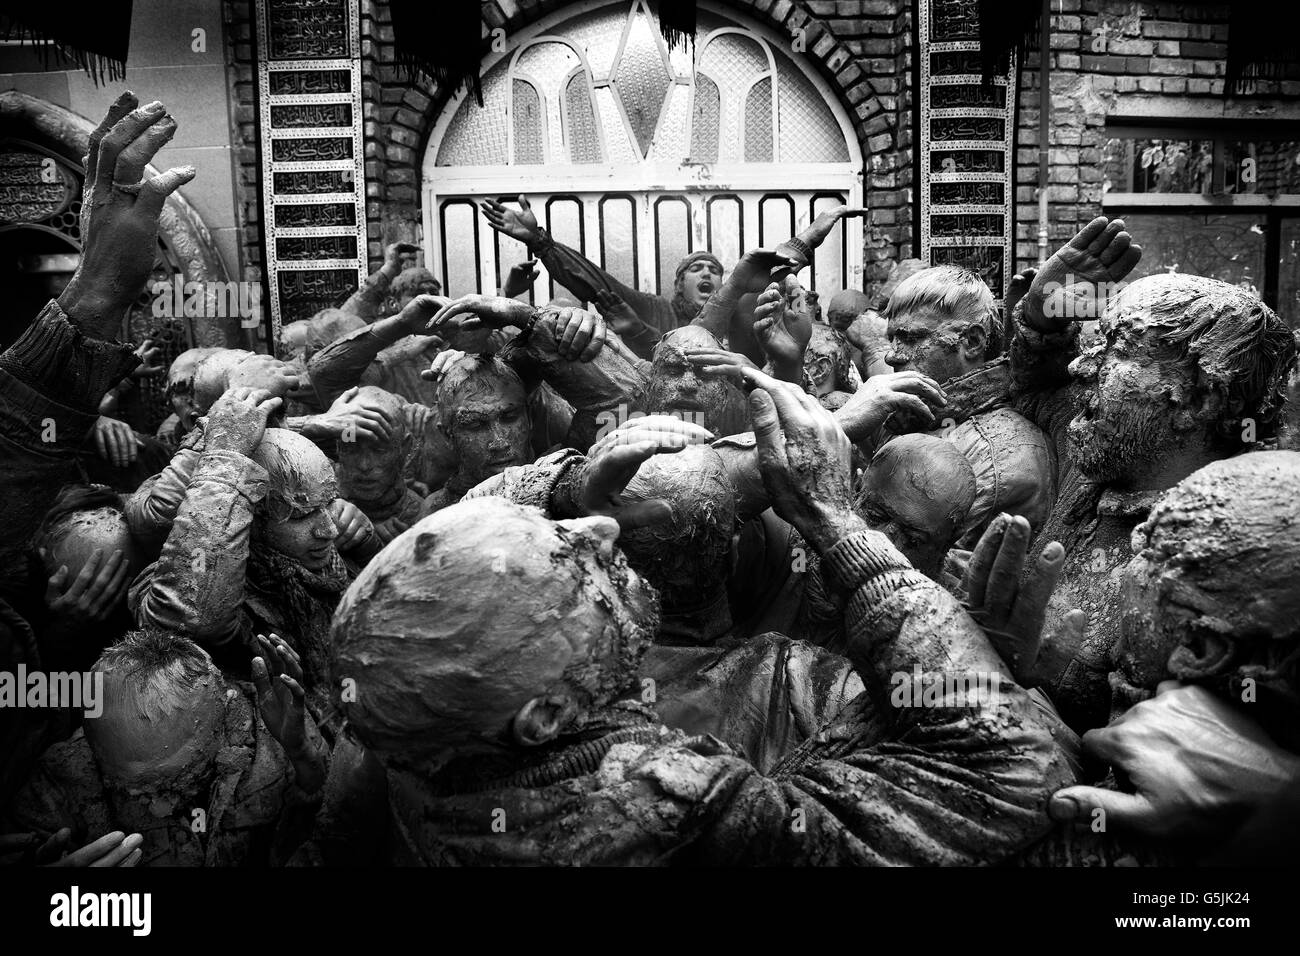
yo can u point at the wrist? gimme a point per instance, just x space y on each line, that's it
827 523
90 308
539 241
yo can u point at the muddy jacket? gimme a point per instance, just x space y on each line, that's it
963 779
253 812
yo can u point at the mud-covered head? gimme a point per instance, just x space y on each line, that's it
676 387
370 471
293 519
942 322
411 282
211 375
81 520
686 557
304 338
179 390
698 276
917 492
1211 592
826 362
1185 363
163 717
483 411
845 306
488 627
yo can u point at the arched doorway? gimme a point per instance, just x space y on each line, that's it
636 155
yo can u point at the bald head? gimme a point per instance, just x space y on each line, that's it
845 306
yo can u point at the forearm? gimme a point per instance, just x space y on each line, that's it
340 365
151 510
1040 360
584 278
197 585
367 302
596 388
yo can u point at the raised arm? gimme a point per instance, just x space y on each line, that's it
367 302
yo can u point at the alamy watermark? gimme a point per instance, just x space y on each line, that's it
78 690
176 298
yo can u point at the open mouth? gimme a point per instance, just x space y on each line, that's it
705 288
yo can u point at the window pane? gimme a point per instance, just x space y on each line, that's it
726 229
460 247
528 124
828 260
672 238
1266 168
704 129
758 123
775 220
1131 165
584 146
564 222
510 252
1230 248
618 239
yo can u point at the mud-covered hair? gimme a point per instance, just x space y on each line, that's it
1240 347
74 499
470 377
159 670
956 292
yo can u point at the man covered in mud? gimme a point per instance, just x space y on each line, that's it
1203 711
1189 370
541 744
177 742
255 546
372 467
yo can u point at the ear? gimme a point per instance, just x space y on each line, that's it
541 719
974 343
1204 653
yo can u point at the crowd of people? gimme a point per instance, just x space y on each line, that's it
634 579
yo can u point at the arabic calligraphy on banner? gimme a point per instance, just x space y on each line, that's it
967 133
313 183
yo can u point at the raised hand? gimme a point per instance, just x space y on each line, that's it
911 396
472 312
620 316
579 334
119 217
718 362
90 597
782 333
363 418
237 420
804 457
759 267
115 442
518 224
666 431
396 251
816 233
609 468
1197 767
277 675
1069 284
520 278
1006 603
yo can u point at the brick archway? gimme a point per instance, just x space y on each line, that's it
868 78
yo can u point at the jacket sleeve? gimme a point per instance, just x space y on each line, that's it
196 587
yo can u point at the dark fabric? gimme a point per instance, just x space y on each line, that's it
452 60
1262 45
676 21
95 36
1006 26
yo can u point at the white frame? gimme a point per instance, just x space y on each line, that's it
696 181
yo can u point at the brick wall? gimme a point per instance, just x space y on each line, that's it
1110 56
860 47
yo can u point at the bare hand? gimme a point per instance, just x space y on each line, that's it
718 362
441 362
1010 612
818 230
579 334
782 333
237 420
119 223
91 597
1197 765
472 312
150 357
667 431
758 268
518 224
1069 284
115 442
277 675
804 458
520 278
607 472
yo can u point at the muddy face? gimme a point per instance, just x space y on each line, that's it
1130 388
490 434
294 518
919 526
925 340
308 538
700 280
370 472
675 388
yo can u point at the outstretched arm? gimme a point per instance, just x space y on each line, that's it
367 302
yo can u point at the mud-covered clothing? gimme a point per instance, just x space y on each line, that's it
212 585
254 812
965 781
